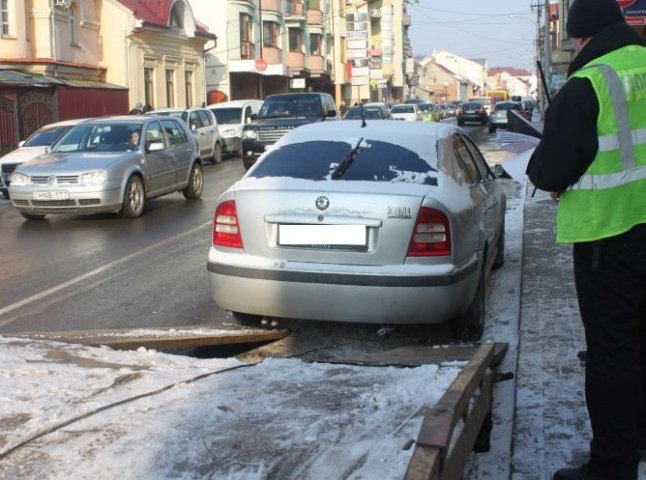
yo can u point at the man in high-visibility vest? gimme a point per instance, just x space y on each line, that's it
592 156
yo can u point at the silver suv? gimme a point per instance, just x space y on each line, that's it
204 126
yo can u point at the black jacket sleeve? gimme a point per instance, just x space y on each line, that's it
570 141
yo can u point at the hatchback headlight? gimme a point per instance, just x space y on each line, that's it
250 134
93 178
19 179
229 132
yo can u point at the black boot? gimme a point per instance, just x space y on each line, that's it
575 473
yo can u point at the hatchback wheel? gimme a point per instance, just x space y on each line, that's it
217 152
133 198
195 183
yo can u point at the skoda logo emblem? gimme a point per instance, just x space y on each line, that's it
322 203
51 180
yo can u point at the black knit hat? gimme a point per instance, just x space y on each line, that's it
587 17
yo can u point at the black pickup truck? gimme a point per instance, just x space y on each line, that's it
278 115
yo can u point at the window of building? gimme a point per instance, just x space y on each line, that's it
175 19
148 85
296 40
73 19
270 32
4 17
316 44
170 88
188 85
246 47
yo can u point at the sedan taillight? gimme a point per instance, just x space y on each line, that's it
431 235
226 229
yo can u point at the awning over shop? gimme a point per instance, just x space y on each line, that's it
15 78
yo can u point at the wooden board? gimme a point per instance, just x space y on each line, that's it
161 338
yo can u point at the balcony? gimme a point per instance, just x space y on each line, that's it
316 64
314 17
247 50
296 61
271 5
272 55
293 8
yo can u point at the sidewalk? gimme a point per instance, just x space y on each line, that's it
551 428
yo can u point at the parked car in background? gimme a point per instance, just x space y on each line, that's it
472 112
430 112
498 119
369 113
204 126
37 144
415 100
110 164
231 118
278 115
392 222
451 109
385 107
406 111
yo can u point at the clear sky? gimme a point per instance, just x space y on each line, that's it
502 31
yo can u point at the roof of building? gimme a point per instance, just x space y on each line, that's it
513 71
157 13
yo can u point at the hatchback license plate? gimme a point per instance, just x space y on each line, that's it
53 195
322 235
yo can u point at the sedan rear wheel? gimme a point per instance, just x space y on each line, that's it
470 325
195 183
133 198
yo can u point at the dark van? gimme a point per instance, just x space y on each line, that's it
279 114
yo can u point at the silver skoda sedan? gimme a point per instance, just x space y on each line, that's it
111 164
388 223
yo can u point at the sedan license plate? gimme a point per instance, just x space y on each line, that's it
52 195
322 235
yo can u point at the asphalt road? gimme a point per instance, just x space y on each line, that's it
99 272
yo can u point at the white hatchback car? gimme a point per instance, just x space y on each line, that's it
406 111
204 126
36 144
232 117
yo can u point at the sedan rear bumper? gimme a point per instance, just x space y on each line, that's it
409 295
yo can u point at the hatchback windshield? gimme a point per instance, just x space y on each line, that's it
226 116
107 137
355 113
47 137
366 160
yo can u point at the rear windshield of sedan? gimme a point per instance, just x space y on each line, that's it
507 106
403 109
367 160
471 106
368 113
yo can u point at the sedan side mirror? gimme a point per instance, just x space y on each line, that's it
330 113
252 117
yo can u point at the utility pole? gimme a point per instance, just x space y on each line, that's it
542 96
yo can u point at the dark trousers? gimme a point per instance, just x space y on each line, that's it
610 278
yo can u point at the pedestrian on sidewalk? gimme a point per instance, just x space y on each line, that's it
592 156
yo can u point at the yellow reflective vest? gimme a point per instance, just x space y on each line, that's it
610 197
